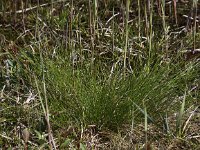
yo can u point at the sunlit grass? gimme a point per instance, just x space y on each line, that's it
71 72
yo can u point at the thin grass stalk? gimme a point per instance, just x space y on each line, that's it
166 124
90 18
80 46
66 39
71 44
66 34
180 117
45 98
165 28
159 7
146 20
50 134
186 123
113 32
175 12
14 10
139 28
51 11
7 66
70 26
170 11
95 31
51 140
91 26
39 95
195 23
132 121
3 5
126 35
45 113
150 3
90 21
23 15
51 5
145 128
163 16
46 109
36 20
95 22
139 20
113 35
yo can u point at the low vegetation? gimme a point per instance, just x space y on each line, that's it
99 74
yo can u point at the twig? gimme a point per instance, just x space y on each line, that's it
32 8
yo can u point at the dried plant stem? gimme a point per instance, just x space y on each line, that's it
165 28
91 34
70 33
113 31
195 23
126 35
175 12
145 128
45 107
150 6
23 15
139 20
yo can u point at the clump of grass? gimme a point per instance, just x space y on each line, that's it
93 72
87 99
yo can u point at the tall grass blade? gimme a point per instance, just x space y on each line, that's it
146 128
126 35
180 117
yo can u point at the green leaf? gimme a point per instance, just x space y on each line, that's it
82 146
66 143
